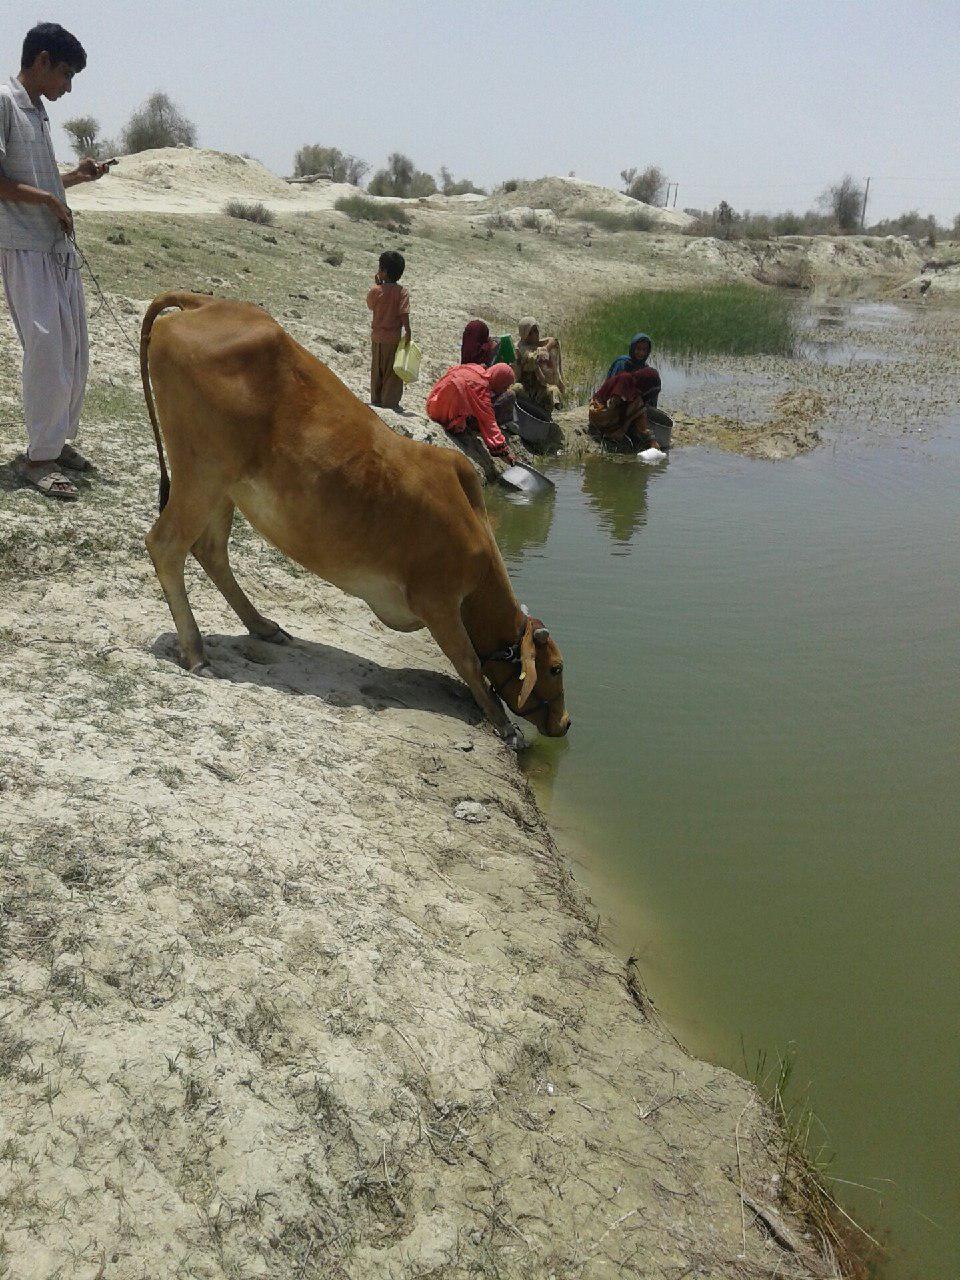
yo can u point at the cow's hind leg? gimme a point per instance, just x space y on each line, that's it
212 549
176 529
448 630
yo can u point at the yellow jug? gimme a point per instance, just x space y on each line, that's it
406 363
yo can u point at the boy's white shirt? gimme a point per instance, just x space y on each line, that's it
27 155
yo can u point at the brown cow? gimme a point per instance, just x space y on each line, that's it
252 420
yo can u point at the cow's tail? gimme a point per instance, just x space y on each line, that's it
184 302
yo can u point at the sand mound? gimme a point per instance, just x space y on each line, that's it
197 180
568 196
936 278
188 170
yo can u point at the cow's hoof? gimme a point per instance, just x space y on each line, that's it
276 636
513 739
203 669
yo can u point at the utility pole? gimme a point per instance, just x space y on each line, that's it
863 207
676 188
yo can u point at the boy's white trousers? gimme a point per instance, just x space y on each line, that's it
46 301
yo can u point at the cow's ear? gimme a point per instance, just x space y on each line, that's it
528 665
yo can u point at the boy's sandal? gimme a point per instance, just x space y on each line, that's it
74 459
51 482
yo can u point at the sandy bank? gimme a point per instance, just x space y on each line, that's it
294 981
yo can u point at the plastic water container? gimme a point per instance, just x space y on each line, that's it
406 363
506 352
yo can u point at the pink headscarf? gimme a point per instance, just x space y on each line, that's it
499 377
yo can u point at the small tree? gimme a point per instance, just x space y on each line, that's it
401 178
314 158
158 123
725 217
450 187
84 132
844 202
650 186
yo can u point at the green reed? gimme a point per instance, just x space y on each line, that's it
734 319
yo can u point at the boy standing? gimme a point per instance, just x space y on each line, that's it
390 304
41 275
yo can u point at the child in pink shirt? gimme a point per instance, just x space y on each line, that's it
390 304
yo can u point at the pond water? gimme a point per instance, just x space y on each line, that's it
760 788
841 330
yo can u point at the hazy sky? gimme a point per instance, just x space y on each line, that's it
759 102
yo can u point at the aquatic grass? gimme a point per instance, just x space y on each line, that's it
735 319
806 1180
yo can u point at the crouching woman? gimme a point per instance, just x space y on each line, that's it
618 414
462 400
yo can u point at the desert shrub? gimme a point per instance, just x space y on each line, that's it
760 226
541 220
786 224
913 224
734 319
649 186
511 184
158 123
249 212
334 257
401 178
451 187
314 158
362 209
726 224
84 134
615 220
844 202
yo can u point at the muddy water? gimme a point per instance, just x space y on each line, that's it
761 787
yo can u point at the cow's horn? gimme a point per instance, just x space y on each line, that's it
540 635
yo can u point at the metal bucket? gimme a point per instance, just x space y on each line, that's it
526 479
535 431
661 425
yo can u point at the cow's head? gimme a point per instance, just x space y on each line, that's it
529 678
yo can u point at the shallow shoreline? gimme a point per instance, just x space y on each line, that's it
247 1009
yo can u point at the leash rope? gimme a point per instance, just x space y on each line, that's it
83 264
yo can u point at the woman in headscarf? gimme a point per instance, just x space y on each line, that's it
463 398
539 371
635 360
636 357
618 411
476 346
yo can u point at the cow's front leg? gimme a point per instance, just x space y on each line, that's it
451 635
212 549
